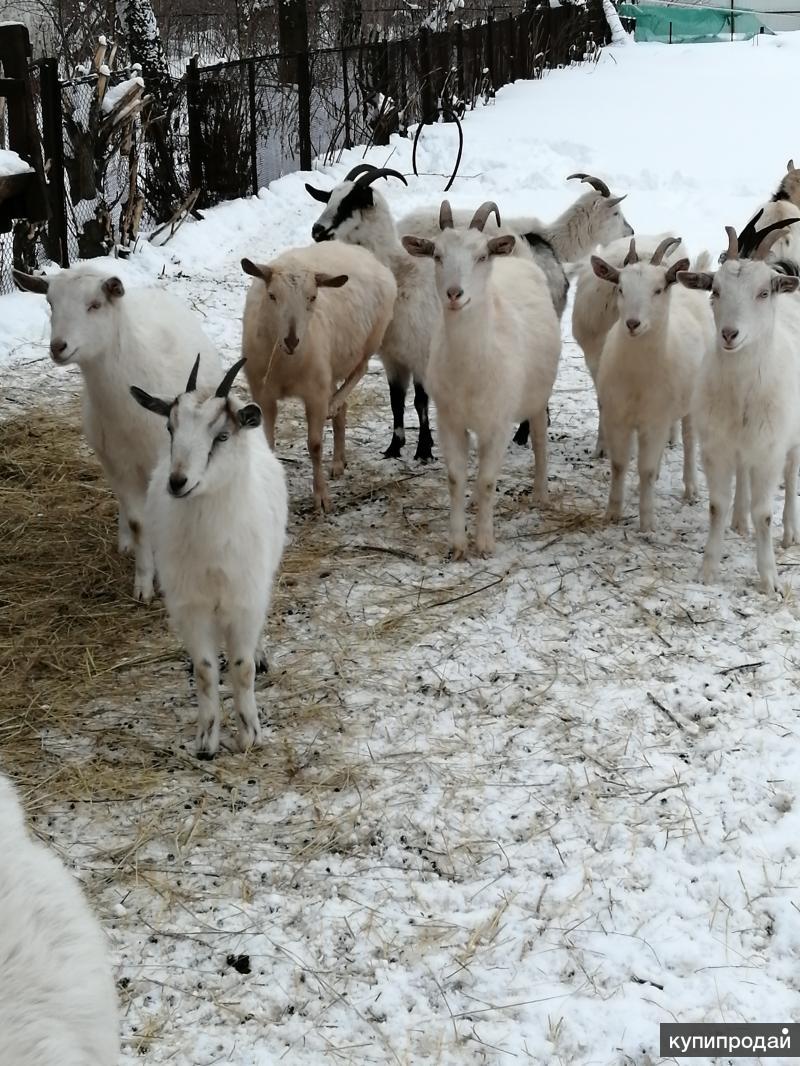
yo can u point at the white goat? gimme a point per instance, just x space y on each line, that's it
58 1002
313 317
494 357
747 402
784 204
114 335
594 310
594 218
217 509
647 372
357 214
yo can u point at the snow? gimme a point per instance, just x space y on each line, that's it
118 93
518 810
10 163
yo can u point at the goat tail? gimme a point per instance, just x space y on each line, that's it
340 396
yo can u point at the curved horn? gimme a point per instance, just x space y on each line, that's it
191 384
590 179
745 241
481 216
224 386
790 166
633 255
368 177
733 243
664 248
445 215
322 195
766 237
359 168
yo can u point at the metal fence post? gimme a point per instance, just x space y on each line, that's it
53 140
304 109
251 93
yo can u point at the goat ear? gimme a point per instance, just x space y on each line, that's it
790 166
31 282
318 194
691 280
604 270
418 246
113 288
785 283
151 403
681 265
330 281
249 416
615 200
264 273
502 245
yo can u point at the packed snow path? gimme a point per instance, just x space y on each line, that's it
520 810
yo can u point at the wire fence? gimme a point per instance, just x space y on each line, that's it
231 128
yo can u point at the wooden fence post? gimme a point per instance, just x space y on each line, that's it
53 141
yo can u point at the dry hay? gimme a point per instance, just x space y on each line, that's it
69 630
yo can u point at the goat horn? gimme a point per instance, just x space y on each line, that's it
368 177
481 216
664 248
445 215
191 384
766 237
359 168
733 243
745 240
590 179
224 386
632 256
790 166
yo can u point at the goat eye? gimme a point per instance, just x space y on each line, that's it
93 306
763 295
657 292
482 258
272 297
311 299
220 437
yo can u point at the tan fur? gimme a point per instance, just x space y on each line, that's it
345 329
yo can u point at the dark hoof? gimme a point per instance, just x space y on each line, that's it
205 756
395 449
423 455
522 436
262 664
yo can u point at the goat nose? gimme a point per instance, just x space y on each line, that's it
58 347
455 292
632 324
730 335
291 342
176 483
318 231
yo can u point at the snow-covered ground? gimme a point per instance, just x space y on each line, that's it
521 810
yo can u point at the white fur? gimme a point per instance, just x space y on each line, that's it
58 1003
594 310
142 336
747 407
591 220
218 547
337 330
646 376
494 358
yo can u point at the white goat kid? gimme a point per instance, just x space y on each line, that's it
594 310
494 358
112 335
58 1003
647 373
217 506
747 402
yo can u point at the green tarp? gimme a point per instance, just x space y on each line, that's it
690 23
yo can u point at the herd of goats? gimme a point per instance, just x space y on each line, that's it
469 307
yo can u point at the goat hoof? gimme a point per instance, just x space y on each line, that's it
708 574
395 449
143 591
261 662
457 552
338 468
741 526
522 435
205 756
485 547
322 502
690 495
424 453
612 517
